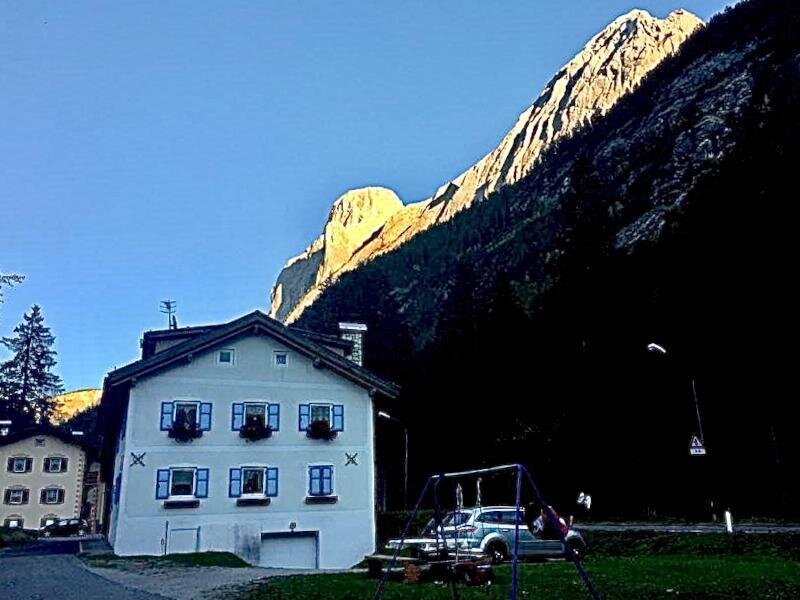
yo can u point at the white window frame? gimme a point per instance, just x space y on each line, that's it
275 362
15 522
333 479
24 460
222 363
47 491
196 410
329 406
12 491
190 495
49 467
263 491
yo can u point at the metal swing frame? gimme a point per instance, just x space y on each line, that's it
435 480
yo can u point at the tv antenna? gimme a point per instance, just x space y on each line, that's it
168 308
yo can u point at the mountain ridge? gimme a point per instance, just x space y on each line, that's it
609 66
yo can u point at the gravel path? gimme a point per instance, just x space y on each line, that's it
187 583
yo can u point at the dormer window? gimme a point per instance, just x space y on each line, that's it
226 357
281 359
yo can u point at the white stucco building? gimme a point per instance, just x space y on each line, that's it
184 477
42 477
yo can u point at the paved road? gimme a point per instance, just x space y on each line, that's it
49 570
691 528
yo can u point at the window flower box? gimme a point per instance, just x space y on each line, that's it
255 430
320 430
183 430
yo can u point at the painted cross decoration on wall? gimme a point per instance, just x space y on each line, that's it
350 459
137 459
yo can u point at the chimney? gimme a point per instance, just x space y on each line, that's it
5 428
354 332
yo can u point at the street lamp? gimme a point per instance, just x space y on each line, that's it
388 417
659 349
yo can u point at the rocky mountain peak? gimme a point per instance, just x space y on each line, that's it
611 64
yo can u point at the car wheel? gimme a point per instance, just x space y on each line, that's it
81 532
576 547
497 552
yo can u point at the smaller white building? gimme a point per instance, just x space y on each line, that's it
249 437
42 477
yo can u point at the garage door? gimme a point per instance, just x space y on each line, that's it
183 540
289 550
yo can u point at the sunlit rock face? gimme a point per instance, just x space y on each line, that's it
68 404
366 223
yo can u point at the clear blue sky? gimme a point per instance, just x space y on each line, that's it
184 150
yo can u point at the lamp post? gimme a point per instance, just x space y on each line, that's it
659 349
388 417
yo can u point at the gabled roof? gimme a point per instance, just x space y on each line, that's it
258 323
40 430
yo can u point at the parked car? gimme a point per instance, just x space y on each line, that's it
64 528
491 529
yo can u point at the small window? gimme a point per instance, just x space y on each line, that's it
252 480
185 412
20 464
182 482
55 464
14 522
48 520
320 480
16 496
38 442
281 359
320 412
51 496
255 414
489 517
226 357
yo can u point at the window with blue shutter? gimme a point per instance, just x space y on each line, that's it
201 488
274 416
305 417
337 423
235 483
166 416
162 484
272 481
205 416
237 416
320 480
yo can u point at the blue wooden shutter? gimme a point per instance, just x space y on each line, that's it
327 480
162 484
305 416
338 417
166 416
205 416
274 416
272 481
201 488
235 483
237 416
314 481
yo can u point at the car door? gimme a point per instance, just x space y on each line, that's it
509 521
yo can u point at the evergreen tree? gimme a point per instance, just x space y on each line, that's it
8 280
27 384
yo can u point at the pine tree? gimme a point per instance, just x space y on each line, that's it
8 280
27 384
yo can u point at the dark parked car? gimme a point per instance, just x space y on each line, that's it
64 528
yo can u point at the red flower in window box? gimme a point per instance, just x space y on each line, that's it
255 429
321 430
183 430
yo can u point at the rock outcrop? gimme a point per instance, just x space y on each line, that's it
69 404
609 66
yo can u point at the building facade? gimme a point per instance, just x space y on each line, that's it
42 478
248 437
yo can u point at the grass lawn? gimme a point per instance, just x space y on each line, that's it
622 565
201 559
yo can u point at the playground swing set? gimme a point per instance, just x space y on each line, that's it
466 567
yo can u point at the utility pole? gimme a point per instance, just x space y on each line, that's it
168 308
